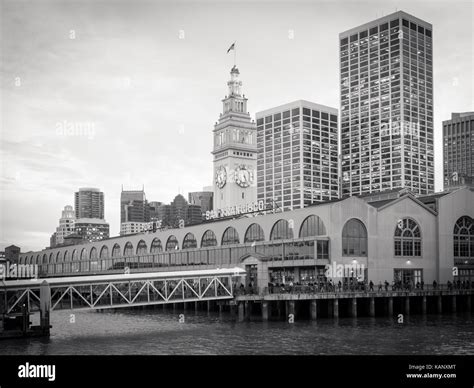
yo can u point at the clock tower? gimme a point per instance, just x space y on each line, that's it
235 150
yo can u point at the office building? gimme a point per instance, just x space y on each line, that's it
203 199
153 210
134 206
297 155
66 225
89 203
127 228
386 76
91 229
458 149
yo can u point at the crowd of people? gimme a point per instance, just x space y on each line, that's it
352 285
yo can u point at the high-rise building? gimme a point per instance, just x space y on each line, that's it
297 155
204 199
89 203
194 215
133 206
235 150
163 214
179 211
458 149
386 71
153 210
66 225
91 229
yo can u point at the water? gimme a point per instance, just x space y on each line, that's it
156 332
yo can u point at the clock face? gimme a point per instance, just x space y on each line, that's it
243 176
221 177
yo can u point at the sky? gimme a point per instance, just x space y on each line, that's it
111 93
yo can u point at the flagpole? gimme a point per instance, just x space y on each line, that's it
235 49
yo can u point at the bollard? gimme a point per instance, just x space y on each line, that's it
265 311
45 306
372 307
354 308
390 306
314 309
241 312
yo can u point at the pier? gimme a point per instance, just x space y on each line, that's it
311 303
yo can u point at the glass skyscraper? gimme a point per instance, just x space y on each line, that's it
297 160
89 203
386 69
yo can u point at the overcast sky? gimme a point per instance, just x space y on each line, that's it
105 93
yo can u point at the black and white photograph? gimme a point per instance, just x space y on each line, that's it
286 186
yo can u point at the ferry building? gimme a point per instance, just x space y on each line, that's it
391 236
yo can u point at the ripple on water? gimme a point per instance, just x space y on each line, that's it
159 332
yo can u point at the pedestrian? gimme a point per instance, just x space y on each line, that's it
371 286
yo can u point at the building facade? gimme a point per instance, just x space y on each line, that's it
153 210
203 199
133 207
386 77
235 150
66 225
127 228
89 203
406 238
297 161
458 149
91 229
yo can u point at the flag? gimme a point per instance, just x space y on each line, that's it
232 47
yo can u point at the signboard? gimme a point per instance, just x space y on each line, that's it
236 210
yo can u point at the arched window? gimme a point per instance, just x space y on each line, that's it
93 254
407 238
230 236
281 230
312 226
128 250
464 237
45 259
208 239
172 243
74 255
354 238
189 241
66 256
156 246
104 252
142 248
116 251
254 233
83 254
50 260
58 257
